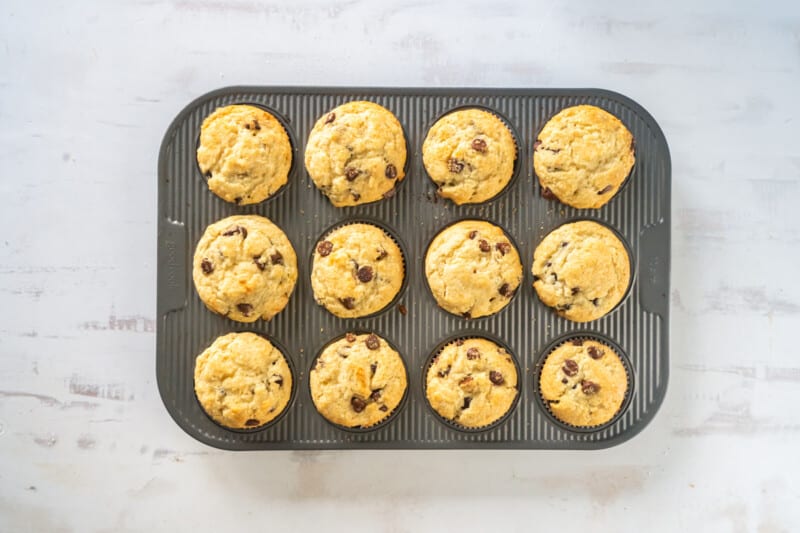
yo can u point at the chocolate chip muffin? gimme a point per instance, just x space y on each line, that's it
245 153
582 270
356 270
356 153
242 381
358 381
582 156
583 383
473 269
245 268
470 155
472 382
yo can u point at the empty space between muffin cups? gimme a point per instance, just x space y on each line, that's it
375 389
445 157
354 268
254 127
471 371
222 393
589 386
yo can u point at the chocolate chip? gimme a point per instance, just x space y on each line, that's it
207 266
349 303
565 381
496 377
279 381
381 254
260 264
575 290
479 145
466 314
570 367
355 196
383 408
351 337
376 395
454 165
536 278
484 245
577 342
596 302
473 353
589 387
234 231
390 172
505 290
373 367
547 194
325 248
208 174
251 422
357 404
403 309
605 189
276 258
351 173
238 200
460 342
473 234
365 274
256 125
390 193
595 353
564 244
565 307
548 264
467 401
503 247
466 380
330 118
372 342
443 373
245 309
537 144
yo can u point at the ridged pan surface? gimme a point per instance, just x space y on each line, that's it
639 326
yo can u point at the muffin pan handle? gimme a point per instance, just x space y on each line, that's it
172 263
654 268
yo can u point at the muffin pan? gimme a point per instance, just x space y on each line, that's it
417 327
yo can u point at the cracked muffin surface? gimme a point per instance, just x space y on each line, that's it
582 156
584 382
469 154
358 380
244 153
242 381
356 153
357 270
245 268
473 268
582 270
472 382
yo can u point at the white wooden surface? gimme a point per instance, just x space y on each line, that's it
86 92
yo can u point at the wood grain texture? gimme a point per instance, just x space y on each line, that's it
86 92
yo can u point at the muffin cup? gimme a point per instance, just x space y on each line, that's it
391 234
284 122
429 362
569 337
517 160
424 275
281 348
390 416
628 250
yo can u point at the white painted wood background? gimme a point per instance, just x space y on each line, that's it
87 89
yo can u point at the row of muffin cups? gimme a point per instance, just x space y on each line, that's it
491 157
557 367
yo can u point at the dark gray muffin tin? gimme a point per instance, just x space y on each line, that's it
415 325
